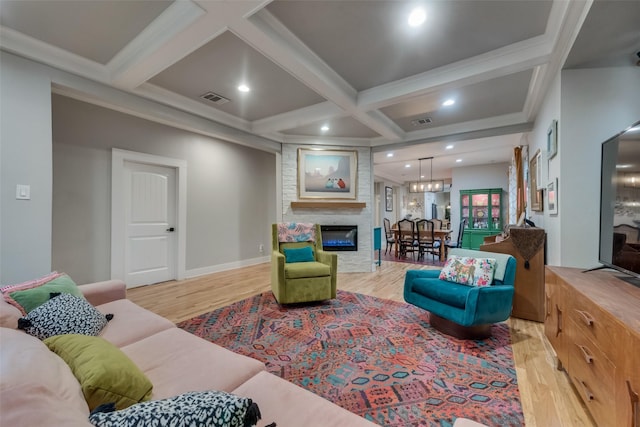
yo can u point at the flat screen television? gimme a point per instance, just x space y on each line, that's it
620 203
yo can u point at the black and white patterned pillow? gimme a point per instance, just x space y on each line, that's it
64 314
193 409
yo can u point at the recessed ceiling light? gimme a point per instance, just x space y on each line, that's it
458 160
417 17
389 154
448 147
448 103
243 88
324 128
407 165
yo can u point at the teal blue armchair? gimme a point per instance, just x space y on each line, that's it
463 311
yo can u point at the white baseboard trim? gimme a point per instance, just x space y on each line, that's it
196 272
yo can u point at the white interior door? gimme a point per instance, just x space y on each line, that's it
150 215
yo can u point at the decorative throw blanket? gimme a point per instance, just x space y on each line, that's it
528 241
296 232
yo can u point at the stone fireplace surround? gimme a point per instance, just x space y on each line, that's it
361 260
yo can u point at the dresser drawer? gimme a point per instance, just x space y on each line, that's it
593 375
593 322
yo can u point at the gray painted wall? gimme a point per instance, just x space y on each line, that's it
590 105
25 158
550 169
231 190
596 104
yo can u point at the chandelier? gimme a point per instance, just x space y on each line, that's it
430 186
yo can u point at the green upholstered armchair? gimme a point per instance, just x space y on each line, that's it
301 279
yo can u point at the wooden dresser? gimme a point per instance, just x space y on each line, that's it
592 320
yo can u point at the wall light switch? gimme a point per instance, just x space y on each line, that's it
23 192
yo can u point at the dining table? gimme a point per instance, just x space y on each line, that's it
441 234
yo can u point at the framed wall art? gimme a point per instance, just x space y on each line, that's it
388 199
552 139
535 201
552 197
327 174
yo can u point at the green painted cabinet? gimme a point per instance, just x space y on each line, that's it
483 211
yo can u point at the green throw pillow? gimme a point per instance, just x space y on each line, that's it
34 297
104 372
304 254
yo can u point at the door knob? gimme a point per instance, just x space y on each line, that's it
171 229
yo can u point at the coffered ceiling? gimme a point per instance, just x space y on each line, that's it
354 67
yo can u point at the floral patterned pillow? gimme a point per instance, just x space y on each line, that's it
469 271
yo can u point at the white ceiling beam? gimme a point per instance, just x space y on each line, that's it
296 118
36 50
497 63
186 27
127 67
268 36
167 97
380 123
492 126
563 28
326 140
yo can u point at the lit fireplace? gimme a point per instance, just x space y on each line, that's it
339 237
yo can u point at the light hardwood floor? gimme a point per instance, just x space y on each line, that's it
548 398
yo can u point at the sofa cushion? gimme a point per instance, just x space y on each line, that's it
130 322
193 409
103 292
37 386
9 315
448 293
468 270
306 269
177 362
304 254
286 404
104 372
29 295
63 314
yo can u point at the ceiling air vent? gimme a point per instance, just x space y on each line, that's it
215 98
421 122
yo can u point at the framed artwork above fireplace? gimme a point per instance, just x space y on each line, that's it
327 174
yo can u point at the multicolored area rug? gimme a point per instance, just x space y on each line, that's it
377 358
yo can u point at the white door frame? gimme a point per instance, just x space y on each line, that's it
118 221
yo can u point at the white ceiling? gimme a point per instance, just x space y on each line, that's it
355 66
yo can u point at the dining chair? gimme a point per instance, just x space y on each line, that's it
407 237
426 240
388 233
437 223
449 244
